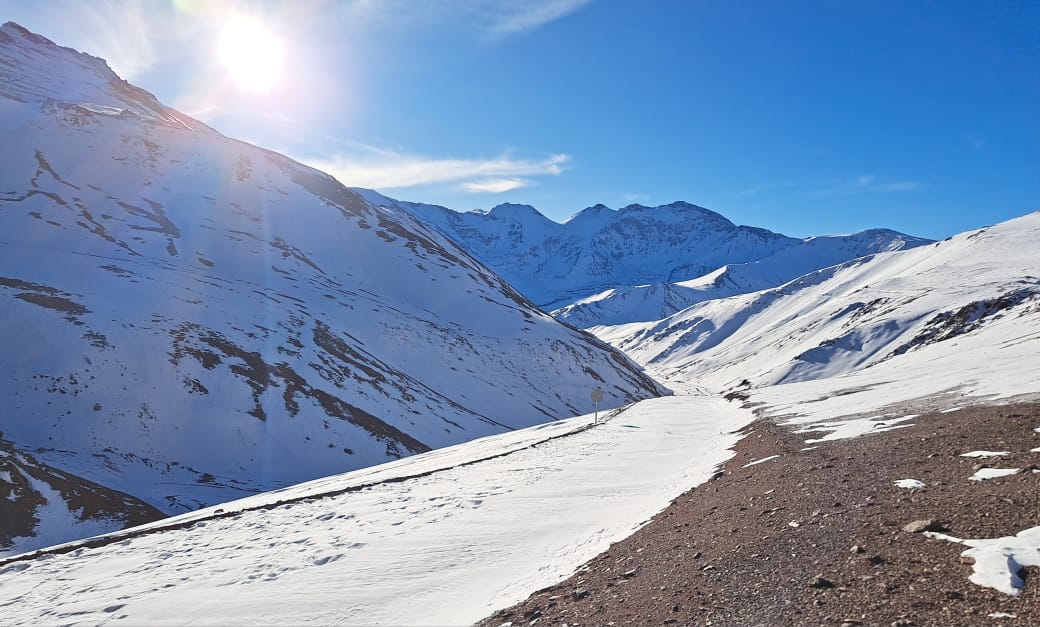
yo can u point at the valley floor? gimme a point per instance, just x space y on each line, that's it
442 538
793 534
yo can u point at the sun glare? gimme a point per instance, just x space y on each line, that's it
251 53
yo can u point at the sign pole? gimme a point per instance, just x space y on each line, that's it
597 396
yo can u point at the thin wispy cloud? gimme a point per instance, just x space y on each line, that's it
975 142
494 19
383 169
747 193
515 17
865 184
494 186
756 190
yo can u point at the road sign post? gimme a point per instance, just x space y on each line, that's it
597 396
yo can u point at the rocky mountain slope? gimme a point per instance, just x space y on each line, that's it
637 263
187 318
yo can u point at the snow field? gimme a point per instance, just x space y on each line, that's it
445 548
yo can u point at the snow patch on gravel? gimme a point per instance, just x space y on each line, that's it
910 484
992 473
854 428
985 454
759 461
999 560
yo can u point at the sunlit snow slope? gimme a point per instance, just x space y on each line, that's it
187 318
934 318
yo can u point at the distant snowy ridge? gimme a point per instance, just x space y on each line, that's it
855 316
644 303
637 263
188 318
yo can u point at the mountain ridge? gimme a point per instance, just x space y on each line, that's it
190 318
560 265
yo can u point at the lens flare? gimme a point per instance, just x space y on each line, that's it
252 54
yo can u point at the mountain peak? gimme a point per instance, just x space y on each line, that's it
12 33
35 69
515 211
598 212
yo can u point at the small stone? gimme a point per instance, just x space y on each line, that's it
952 594
793 523
856 549
851 622
903 622
630 573
579 594
820 582
929 524
964 559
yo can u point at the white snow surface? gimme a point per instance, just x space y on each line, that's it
998 560
759 461
992 473
986 454
482 531
909 484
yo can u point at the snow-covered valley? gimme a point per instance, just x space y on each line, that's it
442 538
353 417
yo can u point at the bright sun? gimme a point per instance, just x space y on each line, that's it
251 53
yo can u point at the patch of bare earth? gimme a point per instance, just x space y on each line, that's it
816 537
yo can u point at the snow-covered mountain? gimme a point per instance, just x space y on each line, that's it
854 316
187 318
447 537
638 263
644 303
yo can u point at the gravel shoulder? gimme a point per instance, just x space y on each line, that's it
816 537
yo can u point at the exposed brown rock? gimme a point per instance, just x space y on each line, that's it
842 495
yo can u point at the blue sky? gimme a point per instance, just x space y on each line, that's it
802 117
